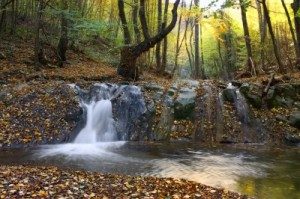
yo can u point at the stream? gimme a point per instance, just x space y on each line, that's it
252 169
269 173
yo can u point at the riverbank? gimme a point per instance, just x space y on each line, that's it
49 182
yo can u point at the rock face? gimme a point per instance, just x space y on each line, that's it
184 105
133 115
174 106
37 113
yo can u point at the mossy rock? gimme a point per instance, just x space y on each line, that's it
252 93
184 106
229 95
294 119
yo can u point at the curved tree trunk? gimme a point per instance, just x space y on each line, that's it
129 53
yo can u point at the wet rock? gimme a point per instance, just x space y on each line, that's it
292 138
283 95
252 93
153 87
236 83
132 114
184 105
286 90
229 95
294 119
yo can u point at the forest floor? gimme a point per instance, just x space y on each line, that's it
49 182
17 66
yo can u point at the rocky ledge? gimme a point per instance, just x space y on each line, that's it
40 112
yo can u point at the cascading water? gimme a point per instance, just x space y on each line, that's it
100 104
99 125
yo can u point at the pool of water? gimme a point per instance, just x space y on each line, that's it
252 170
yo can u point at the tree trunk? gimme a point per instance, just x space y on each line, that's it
263 34
178 44
247 37
275 45
127 67
63 41
122 15
3 11
297 50
158 45
38 49
165 43
296 8
129 54
197 41
135 21
2 21
13 18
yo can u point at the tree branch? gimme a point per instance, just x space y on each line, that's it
122 15
143 20
151 42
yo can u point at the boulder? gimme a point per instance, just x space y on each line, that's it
229 95
252 93
184 106
153 87
292 138
294 119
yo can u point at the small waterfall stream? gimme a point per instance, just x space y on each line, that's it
101 104
99 125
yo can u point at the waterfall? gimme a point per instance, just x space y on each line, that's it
105 102
99 125
101 133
